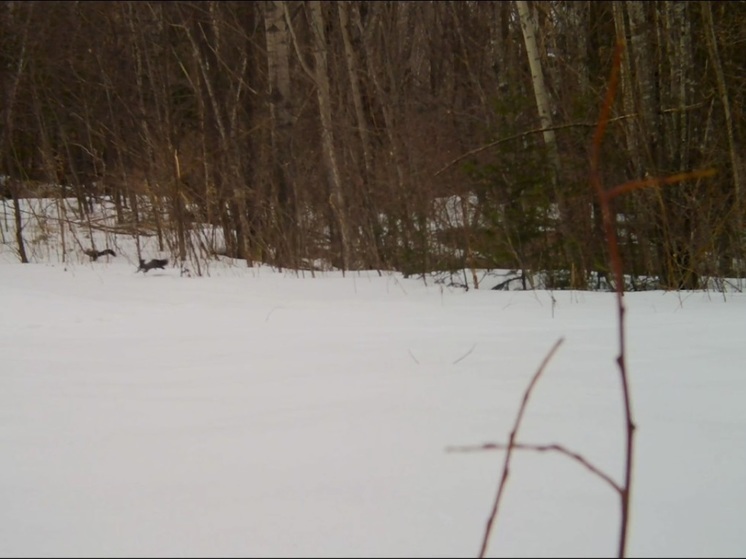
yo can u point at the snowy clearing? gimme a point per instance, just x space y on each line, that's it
257 413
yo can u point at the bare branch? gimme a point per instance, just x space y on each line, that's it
512 444
615 260
465 355
524 134
544 448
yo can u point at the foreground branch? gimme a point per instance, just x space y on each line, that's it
604 202
512 445
544 448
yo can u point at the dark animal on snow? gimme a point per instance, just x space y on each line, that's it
159 263
94 254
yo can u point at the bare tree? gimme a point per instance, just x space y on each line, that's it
8 116
280 97
712 47
323 92
304 130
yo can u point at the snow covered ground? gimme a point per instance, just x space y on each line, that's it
257 413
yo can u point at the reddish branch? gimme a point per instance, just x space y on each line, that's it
657 181
604 199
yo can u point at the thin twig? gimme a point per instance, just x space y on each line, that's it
480 149
544 448
465 355
512 445
413 357
266 318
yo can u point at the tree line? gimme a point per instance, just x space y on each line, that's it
411 136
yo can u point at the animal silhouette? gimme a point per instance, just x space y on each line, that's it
159 263
94 254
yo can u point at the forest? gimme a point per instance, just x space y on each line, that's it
409 136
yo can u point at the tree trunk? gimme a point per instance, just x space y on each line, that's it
528 25
6 132
648 101
278 77
643 59
579 14
574 258
497 50
353 73
323 91
400 222
712 48
627 96
19 226
233 176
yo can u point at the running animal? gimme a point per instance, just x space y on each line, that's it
159 263
94 254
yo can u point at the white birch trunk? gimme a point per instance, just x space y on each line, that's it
278 77
627 96
528 25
